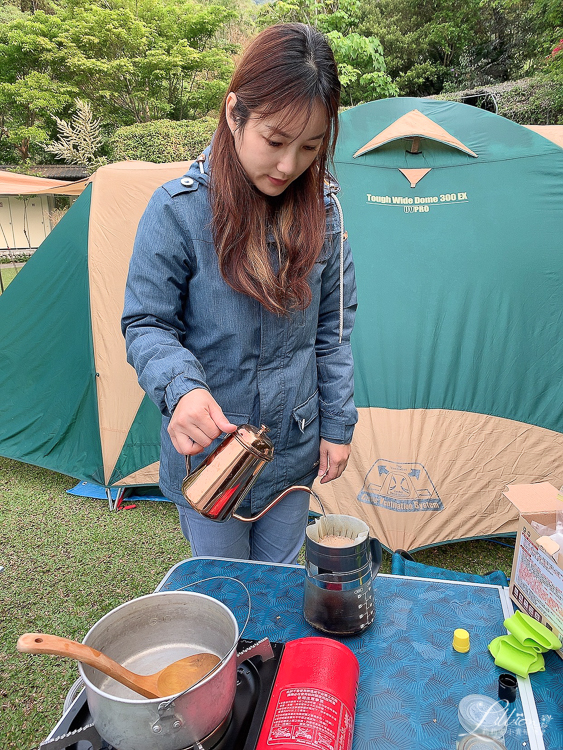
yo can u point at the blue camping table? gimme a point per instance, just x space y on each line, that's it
411 680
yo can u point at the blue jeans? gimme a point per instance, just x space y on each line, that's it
277 537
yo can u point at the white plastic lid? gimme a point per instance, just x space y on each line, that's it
479 742
479 714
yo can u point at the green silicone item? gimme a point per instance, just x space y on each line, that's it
515 643
510 654
530 632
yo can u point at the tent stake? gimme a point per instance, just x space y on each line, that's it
114 504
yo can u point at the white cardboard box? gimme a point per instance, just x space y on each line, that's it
536 581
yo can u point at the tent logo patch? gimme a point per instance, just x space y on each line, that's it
403 487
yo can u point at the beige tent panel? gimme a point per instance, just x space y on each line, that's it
414 176
406 461
70 188
551 132
413 125
12 183
120 194
146 476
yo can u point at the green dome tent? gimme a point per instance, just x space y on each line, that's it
69 401
455 217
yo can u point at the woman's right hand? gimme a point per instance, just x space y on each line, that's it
196 421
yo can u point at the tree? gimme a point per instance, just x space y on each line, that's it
553 72
9 12
133 61
442 44
29 93
25 111
361 66
163 59
162 141
422 40
79 140
503 46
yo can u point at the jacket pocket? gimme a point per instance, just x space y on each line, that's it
303 444
307 412
326 251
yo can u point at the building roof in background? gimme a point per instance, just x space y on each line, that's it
12 183
69 172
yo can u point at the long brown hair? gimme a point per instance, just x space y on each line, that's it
288 69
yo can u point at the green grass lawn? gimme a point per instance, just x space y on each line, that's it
8 274
69 560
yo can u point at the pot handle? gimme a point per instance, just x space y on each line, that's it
376 555
165 705
166 713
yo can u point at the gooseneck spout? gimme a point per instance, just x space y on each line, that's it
277 500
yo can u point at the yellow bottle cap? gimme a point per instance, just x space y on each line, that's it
461 641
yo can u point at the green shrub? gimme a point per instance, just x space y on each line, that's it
529 101
16 258
162 141
538 102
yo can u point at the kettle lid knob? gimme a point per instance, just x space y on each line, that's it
256 440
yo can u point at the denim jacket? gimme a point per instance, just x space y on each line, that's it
185 328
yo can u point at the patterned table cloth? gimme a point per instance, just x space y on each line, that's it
411 679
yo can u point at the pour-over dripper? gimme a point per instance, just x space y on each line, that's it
338 526
338 596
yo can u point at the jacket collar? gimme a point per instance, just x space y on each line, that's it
331 184
199 170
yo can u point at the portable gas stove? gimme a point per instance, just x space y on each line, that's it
239 731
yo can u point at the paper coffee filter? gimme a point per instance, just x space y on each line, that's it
337 525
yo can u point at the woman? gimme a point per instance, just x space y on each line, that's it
241 296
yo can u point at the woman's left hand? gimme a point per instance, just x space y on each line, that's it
334 458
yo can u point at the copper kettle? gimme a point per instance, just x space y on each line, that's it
220 483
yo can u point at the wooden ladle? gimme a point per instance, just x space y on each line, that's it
175 678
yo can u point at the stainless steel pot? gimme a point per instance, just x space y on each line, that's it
145 635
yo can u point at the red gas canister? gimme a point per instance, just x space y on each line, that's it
313 700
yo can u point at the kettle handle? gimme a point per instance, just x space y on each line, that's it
376 555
